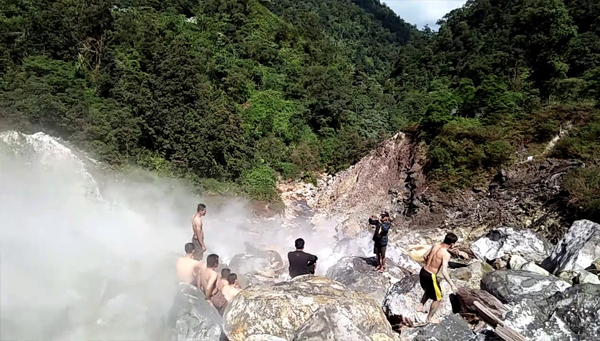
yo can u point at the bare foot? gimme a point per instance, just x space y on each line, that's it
382 269
377 268
421 309
434 321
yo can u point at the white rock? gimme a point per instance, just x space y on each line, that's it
587 277
516 262
580 242
530 266
522 242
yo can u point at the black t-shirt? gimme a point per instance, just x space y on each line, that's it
301 263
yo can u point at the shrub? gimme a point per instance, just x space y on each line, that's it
583 185
260 183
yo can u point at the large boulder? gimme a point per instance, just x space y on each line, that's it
452 327
506 241
566 253
573 314
515 285
264 263
470 276
192 318
303 308
357 274
402 298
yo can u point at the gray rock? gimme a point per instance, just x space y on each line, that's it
452 327
267 264
566 252
515 285
358 275
534 323
192 318
573 314
329 323
286 310
506 241
590 253
470 276
579 307
403 297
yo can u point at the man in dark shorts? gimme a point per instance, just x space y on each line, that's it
301 263
436 259
380 237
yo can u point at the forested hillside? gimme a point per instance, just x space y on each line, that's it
239 91
217 89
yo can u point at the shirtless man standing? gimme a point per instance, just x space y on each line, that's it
232 288
187 267
207 281
198 237
436 259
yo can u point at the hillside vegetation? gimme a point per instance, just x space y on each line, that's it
233 93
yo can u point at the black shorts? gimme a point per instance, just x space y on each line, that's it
379 250
430 285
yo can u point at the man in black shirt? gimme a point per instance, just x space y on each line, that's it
301 263
380 237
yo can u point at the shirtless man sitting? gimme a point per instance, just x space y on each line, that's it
197 228
223 280
207 281
232 288
187 267
436 259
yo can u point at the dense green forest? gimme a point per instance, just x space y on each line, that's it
233 93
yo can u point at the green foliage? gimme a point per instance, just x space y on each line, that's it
584 187
260 182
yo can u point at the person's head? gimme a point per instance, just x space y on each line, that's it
299 243
450 239
212 261
232 279
225 273
189 248
385 216
201 209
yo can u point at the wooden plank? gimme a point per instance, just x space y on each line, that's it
508 334
487 315
468 296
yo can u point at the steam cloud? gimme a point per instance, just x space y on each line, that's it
92 257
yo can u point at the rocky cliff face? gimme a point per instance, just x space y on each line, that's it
527 195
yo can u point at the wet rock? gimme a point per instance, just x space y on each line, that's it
357 274
452 327
506 241
401 301
515 285
566 252
192 318
287 309
573 314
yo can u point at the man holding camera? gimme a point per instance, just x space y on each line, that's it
380 237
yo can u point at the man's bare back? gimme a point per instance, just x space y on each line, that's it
187 270
221 283
435 258
207 281
230 291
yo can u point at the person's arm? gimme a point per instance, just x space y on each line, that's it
445 271
199 233
373 220
210 286
384 229
426 255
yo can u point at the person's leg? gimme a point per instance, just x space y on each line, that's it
421 305
378 261
382 267
432 310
